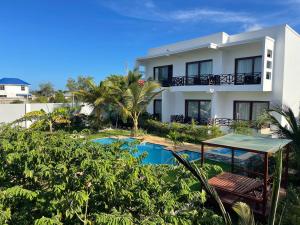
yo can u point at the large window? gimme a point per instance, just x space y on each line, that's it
200 68
197 72
163 74
248 70
2 87
157 108
249 110
199 110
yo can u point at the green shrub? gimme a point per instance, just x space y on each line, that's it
187 132
241 127
290 207
58 179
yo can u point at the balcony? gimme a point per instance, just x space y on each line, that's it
210 79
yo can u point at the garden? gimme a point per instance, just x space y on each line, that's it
53 173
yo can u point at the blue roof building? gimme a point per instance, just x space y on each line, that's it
12 81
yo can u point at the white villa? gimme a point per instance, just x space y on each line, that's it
225 77
13 89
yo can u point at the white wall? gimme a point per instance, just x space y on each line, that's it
12 90
291 80
12 112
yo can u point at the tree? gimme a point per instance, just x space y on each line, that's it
46 89
96 96
82 83
291 131
41 119
136 95
58 97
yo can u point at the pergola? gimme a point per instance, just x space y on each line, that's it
233 187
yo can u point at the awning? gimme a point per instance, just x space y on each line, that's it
249 143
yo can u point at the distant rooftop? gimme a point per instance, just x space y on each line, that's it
16 81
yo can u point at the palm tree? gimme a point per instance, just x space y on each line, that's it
58 116
291 131
133 96
96 96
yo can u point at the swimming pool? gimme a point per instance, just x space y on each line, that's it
227 151
156 154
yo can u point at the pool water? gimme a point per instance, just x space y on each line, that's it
226 151
156 154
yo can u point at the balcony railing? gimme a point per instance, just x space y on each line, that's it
210 79
209 121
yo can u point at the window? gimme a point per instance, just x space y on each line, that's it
249 110
3 96
163 73
249 65
269 64
268 75
157 108
2 87
22 88
199 110
269 53
200 68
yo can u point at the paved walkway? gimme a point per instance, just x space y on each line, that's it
169 145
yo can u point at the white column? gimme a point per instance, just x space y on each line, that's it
27 110
215 105
167 104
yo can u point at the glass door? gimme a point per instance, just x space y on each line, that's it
157 108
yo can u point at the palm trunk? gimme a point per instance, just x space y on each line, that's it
50 126
135 126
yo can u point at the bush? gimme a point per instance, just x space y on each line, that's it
187 132
58 179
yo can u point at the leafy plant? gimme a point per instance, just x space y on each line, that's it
58 179
41 119
291 131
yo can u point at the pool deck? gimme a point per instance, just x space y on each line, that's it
167 143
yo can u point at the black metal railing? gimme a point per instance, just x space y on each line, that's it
210 79
209 121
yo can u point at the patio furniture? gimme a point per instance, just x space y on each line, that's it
233 187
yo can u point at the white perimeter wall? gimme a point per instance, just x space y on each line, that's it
11 112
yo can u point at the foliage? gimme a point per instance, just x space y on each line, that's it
276 188
290 207
40 99
82 83
135 96
17 102
175 138
186 132
58 179
46 89
58 97
291 131
42 120
241 127
244 212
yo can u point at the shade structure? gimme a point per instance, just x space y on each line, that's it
249 143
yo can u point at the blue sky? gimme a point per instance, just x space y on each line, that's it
51 40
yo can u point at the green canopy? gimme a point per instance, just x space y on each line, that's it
249 143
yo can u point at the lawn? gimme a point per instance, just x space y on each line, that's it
107 133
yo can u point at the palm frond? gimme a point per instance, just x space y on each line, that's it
203 181
244 213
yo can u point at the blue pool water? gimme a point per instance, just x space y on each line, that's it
227 151
156 154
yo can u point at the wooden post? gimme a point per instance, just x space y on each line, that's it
286 169
266 178
202 154
232 160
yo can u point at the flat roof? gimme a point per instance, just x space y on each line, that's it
249 143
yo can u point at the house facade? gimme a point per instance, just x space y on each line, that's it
12 89
225 77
